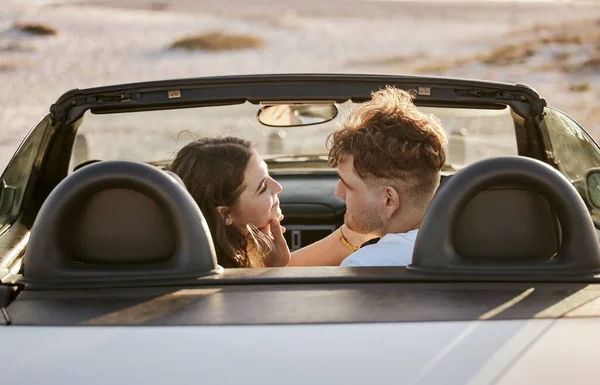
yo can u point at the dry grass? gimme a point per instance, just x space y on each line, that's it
388 60
546 67
501 56
35 29
6 66
561 56
562 41
158 6
563 37
444 65
526 44
591 64
14 46
574 32
509 54
217 41
580 87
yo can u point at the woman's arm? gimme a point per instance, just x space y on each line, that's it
328 251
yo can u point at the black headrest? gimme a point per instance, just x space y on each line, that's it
507 222
512 212
115 220
506 215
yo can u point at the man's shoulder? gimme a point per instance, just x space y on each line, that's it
356 258
381 254
399 238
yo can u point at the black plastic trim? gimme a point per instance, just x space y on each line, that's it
280 87
313 275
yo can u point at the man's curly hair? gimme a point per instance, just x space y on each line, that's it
390 139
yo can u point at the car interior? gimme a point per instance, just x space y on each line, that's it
111 224
296 152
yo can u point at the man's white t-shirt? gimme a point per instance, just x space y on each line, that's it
391 250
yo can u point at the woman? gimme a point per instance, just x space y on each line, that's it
230 183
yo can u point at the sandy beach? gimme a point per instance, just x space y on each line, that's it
110 42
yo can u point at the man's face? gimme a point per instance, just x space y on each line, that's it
362 213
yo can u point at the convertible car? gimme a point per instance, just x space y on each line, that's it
108 274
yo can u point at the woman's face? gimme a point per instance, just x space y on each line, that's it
258 204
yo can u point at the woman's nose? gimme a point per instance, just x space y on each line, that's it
277 187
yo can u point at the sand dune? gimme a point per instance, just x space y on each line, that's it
101 42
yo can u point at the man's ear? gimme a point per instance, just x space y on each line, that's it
225 214
391 201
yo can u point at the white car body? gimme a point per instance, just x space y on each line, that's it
480 352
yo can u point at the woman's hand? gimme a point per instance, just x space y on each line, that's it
280 255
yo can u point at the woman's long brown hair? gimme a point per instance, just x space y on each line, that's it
213 172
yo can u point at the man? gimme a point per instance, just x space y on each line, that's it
389 156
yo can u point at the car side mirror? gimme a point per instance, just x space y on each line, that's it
592 182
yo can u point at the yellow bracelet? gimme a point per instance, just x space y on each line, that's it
346 243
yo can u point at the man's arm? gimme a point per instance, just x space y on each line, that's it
328 251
